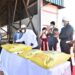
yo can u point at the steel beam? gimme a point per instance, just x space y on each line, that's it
28 2
29 17
9 30
32 4
14 10
14 27
3 30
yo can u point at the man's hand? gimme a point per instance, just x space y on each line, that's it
68 41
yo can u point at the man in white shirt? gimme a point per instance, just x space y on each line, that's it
29 38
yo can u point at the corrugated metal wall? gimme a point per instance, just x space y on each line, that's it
57 2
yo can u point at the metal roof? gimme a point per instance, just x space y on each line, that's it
58 3
7 6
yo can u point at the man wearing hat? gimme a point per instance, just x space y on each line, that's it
66 35
29 38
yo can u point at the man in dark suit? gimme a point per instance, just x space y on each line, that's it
66 35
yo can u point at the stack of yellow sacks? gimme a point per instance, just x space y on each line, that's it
38 57
46 60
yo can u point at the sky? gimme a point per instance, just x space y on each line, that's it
69 11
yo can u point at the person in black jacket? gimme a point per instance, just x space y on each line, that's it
66 35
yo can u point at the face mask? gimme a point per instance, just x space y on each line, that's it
51 26
18 31
44 31
22 30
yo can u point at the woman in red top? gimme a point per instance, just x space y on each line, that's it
44 40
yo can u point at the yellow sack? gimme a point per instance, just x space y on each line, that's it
38 57
8 46
20 47
46 60
17 47
57 58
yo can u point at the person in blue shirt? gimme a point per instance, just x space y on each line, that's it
17 35
52 39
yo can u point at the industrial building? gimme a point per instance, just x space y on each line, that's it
33 13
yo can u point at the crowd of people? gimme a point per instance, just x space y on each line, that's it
48 37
